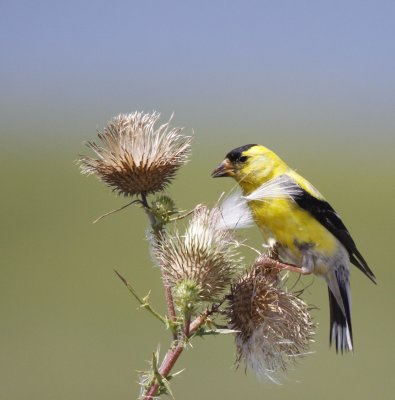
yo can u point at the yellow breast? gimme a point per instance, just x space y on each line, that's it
291 226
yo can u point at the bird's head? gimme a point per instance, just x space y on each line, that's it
251 166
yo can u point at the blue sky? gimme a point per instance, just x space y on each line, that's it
291 66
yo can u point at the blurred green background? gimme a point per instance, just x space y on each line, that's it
312 80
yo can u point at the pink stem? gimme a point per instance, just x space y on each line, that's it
174 353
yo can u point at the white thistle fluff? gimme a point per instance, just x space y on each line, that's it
235 213
281 187
267 352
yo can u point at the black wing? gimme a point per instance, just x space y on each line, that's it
327 216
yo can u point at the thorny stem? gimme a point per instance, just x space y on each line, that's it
187 325
147 209
175 351
171 312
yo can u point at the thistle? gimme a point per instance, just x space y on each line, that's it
274 326
135 156
200 267
205 255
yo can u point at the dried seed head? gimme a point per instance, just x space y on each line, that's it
274 326
135 156
206 254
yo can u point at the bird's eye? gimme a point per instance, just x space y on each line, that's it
243 158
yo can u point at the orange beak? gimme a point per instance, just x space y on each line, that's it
223 169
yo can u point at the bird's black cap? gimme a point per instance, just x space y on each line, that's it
235 154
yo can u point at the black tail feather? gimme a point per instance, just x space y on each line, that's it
340 324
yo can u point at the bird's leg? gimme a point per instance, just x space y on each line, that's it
291 267
273 254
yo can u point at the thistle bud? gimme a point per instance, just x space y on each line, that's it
186 296
163 207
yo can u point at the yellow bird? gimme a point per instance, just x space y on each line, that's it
307 232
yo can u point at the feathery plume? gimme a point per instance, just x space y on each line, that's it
277 188
274 326
135 156
235 213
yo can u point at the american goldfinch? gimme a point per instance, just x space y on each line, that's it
307 232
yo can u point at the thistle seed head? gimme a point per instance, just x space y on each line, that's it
135 156
274 326
205 254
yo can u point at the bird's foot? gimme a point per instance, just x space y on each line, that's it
290 267
279 266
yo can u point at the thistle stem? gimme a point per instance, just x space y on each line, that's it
147 209
171 312
187 329
174 352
